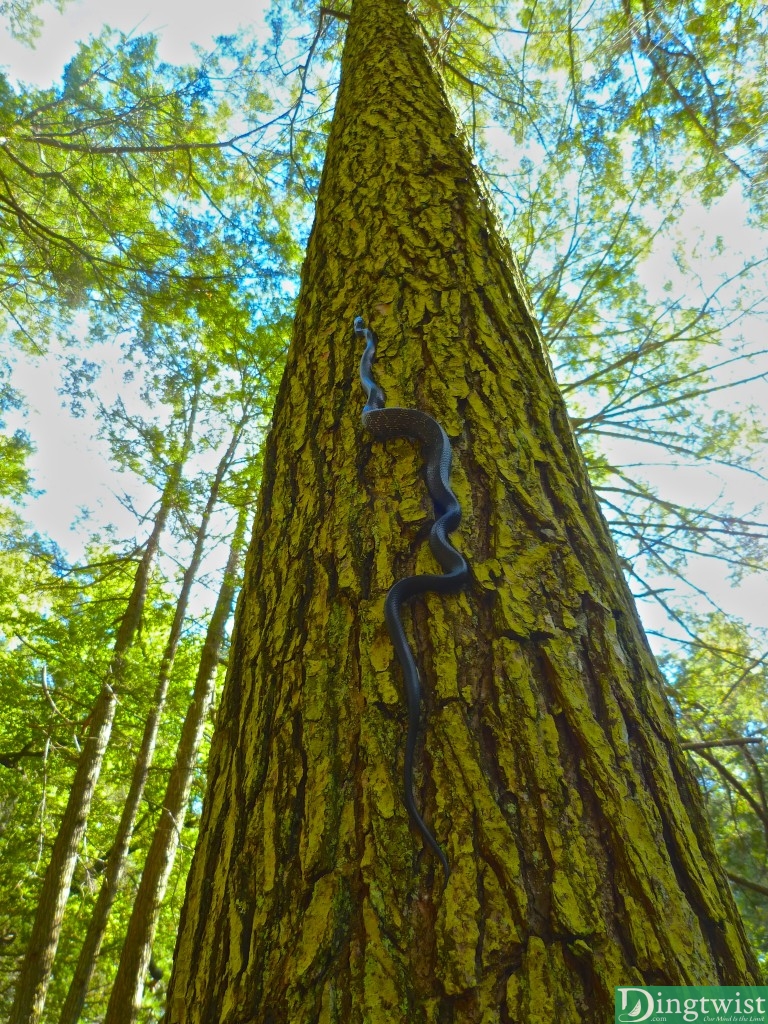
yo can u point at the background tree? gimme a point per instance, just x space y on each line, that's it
37 965
127 991
142 250
719 695
116 862
119 192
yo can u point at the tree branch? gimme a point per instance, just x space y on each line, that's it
12 760
746 884
704 744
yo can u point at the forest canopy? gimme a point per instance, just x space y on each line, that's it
154 224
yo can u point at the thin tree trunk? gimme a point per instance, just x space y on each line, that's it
551 771
37 965
113 873
128 988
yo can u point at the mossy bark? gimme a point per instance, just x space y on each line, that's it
551 771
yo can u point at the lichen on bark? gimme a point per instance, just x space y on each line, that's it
550 770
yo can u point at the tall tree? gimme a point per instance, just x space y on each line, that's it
125 998
37 964
553 775
116 862
598 165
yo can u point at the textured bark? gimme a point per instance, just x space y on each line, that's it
37 965
552 773
115 867
125 998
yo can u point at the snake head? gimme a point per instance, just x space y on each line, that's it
359 325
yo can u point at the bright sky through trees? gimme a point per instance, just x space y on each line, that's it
701 228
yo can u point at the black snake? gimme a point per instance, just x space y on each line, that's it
436 449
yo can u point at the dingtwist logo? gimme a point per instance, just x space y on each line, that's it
718 1004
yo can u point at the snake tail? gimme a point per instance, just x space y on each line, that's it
386 423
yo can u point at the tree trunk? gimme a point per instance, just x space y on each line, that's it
125 999
551 772
113 873
37 965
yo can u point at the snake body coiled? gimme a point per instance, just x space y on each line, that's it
436 448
